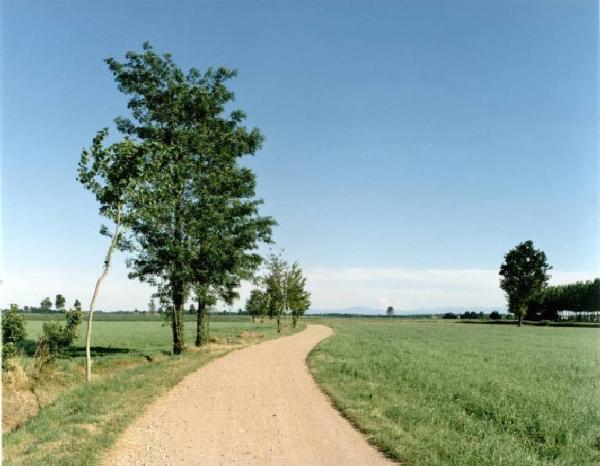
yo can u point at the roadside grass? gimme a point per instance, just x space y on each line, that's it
77 421
452 394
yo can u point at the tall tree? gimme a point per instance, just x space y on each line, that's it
59 302
297 297
225 233
112 174
46 304
190 146
524 275
77 305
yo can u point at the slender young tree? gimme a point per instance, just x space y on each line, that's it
297 297
275 287
112 174
524 275
390 311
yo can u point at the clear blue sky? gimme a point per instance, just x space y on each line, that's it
414 135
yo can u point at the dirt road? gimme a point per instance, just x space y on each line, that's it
255 406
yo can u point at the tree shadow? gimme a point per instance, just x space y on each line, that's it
99 351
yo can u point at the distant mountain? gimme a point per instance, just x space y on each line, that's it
365 310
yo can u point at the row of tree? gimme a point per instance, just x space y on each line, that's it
46 305
282 292
580 300
174 188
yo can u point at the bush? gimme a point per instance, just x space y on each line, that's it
13 333
495 315
9 351
449 315
13 326
56 338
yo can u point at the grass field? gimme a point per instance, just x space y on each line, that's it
78 421
449 393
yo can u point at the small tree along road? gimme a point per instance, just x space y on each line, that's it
112 174
524 275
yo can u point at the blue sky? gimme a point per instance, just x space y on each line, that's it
403 138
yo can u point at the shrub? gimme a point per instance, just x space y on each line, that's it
495 315
13 326
449 315
13 333
56 338
9 351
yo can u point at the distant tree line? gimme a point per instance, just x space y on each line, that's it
578 301
46 305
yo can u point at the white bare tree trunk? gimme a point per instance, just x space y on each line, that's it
88 337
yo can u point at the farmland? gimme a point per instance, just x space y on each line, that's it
449 393
78 421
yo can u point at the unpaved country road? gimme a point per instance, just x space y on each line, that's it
255 406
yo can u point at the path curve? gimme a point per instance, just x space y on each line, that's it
255 406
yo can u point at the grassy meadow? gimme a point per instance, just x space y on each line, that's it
54 417
455 394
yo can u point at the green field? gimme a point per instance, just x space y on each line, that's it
450 393
78 421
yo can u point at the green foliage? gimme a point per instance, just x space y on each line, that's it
9 351
297 297
275 288
449 315
57 337
390 311
495 315
195 221
472 315
524 275
257 303
579 297
446 394
46 304
77 305
13 335
60 302
13 326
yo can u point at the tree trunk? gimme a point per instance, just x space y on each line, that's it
177 283
200 322
176 317
520 319
88 336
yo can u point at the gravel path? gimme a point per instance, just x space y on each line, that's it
255 406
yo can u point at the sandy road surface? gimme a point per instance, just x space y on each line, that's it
255 406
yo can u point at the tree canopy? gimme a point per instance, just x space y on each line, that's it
524 275
194 218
